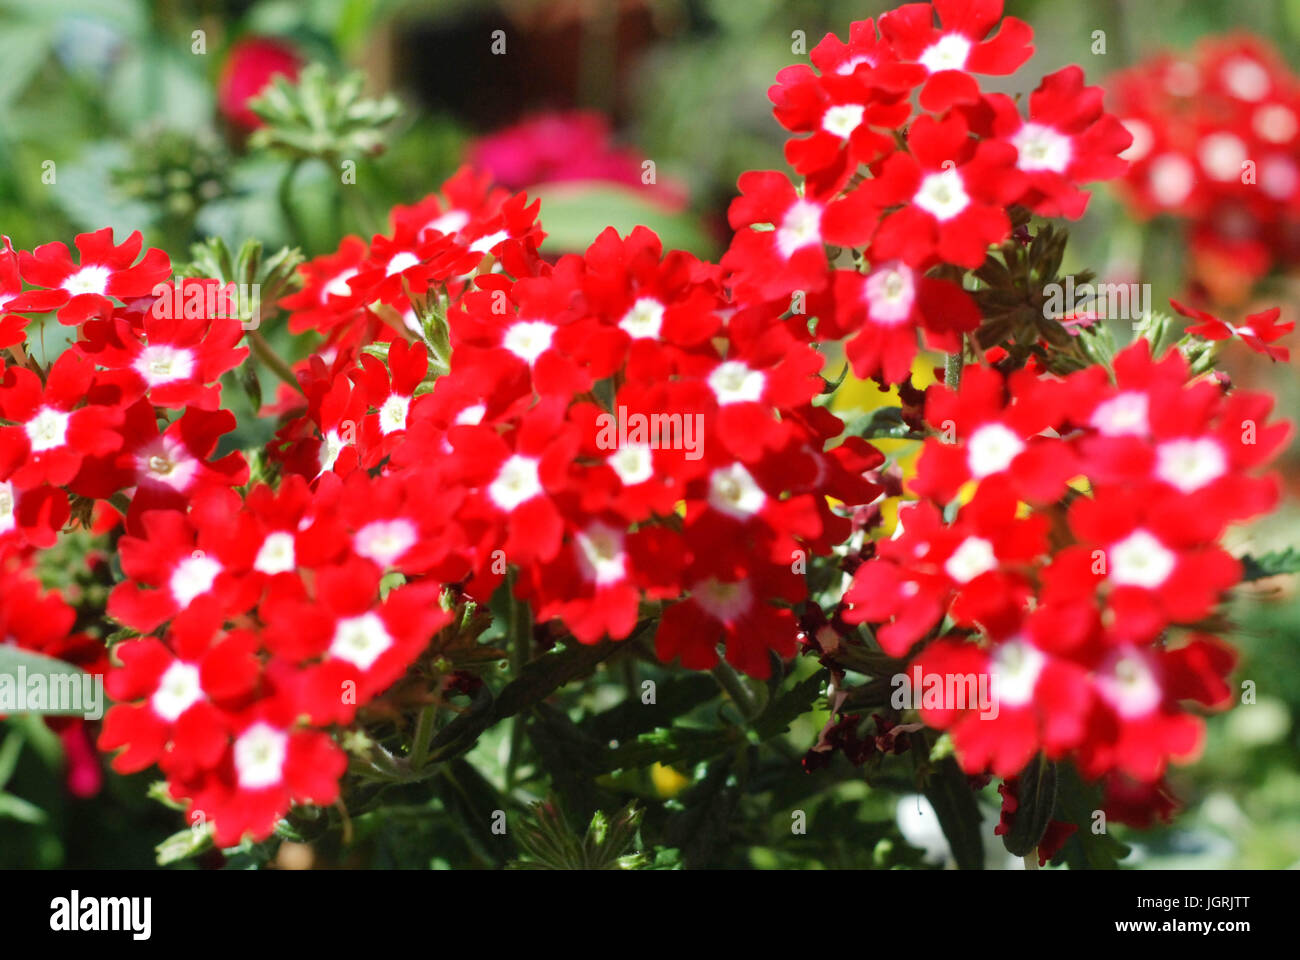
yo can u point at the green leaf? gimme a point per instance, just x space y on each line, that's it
1270 564
23 48
57 674
1035 801
184 844
16 808
882 423
1076 801
574 213
954 804
788 707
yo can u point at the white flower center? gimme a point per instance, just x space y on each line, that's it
330 448
385 541
800 227
260 753
1278 177
450 222
360 640
166 462
723 601
485 244
338 287
277 554
1172 179
1140 560
1042 148
733 382
643 319
163 363
1190 464
529 339
178 690
851 64
392 415
949 52
942 195
1222 154
402 261
192 578
8 506
92 279
600 554
1143 138
972 558
633 463
991 449
733 491
1245 79
1123 415
472 415
1015 667
1275 123
842 119
1129 685
48 429
891 293
516 482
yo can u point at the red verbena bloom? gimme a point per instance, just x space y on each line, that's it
952 192
958 47
105 270
1258 331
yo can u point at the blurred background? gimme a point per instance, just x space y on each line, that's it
134 114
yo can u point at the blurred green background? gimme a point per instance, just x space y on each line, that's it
113 93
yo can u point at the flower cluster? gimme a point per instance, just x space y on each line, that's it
636 442
1068 530
944 199
1216 143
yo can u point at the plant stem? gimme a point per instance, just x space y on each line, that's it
520 626
284 196
735 688
268 356
422 737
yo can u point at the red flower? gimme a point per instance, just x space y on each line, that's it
14 301
249 67
181 685
178 360
983 435
1068 140
1258 331
886 307
168 468
105 271
969 570
953 194
844 117
54 432
772 263
957 48
356 645
734 608
271 764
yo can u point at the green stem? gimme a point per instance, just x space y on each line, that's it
520 626
423 737
268 356
735 688
284 196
